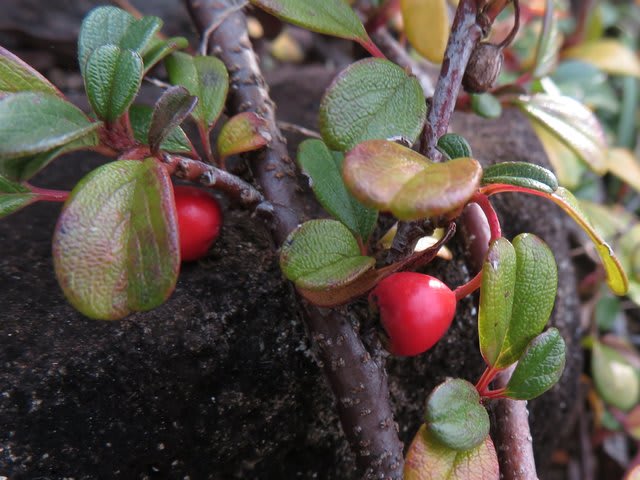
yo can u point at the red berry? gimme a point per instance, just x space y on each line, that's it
199 221
415 310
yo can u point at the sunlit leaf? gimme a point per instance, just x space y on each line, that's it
32 123
322 254
389 177
540 366
243 132
18 76
324 169
371 99
521 174
426 25
455 417
572 123
427 459
624 165
616 380
609 220
206 78
115 247
112 79
13 196
607 54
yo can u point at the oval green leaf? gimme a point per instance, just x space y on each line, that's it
31 123
616 277
540 366
496 298
115 247
389 177
371 99
322 254
13 197
521 174
331 17
175 142
454 146
324 169
572 123
206 78
18 76
243 132
173 106
159 49
112 79
455 416
615 378
486 105
428 459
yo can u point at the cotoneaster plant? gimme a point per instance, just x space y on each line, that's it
118 242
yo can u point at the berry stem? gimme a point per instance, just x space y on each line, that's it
483 202
49 195
469 287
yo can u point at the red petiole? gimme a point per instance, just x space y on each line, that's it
48 195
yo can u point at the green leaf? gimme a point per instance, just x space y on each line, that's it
102 26
31 123
243 132
140 34
23 168
140 117
389 177
115 247
159 49
615 378
496 298
616 277
206 78
549 43
331 17
629 259
170 110
515 303
325 172
371 99
18 76
454 146
322 254
13 197
521 174
428 459
455 416
572 123
540 367
112 79
486 105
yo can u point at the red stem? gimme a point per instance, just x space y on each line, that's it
493 394
485 379
483 202
206 143
469 287
372 48
48 195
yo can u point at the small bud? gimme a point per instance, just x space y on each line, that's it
483 68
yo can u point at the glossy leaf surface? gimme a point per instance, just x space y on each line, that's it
32 123
454 415
540 366
115 246
112 79
371 99
521 174
389 177
428 459
324 169
609 55
243 132
322 254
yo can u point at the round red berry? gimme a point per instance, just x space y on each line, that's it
415 311
199 221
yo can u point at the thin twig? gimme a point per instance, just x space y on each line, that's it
157 82
358 382
292 127
221 17
212 177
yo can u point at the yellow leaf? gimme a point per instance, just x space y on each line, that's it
427 27
608 55
624 165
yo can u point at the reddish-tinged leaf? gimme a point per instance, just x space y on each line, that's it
18 76
243 132
429 460
390 177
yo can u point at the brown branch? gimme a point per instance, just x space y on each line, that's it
465 34
513 436
358 382
213 177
